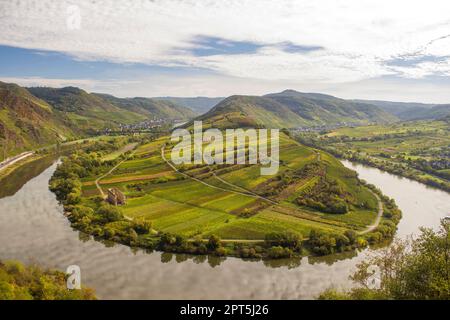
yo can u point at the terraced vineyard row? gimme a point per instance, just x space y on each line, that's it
233 202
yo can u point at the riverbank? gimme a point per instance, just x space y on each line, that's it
20 282
9 165
441 185
414 150
33 229
16 163
92 215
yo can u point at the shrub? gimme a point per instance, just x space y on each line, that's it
279 252
285 239
110 213
142 226
213 243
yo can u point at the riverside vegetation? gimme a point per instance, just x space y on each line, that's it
416 269
19 282
419 150
314 205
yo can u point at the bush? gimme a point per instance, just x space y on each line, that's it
18 282
286 239
142 226
213 243
110 213
414 269
351 236
279 252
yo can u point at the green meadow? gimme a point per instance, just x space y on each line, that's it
236 201
416 149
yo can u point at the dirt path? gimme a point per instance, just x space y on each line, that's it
97 184
210 185
367 230
378 219
5 164
105 175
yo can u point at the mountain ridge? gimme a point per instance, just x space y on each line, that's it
290 109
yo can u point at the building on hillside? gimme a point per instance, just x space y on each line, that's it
115 197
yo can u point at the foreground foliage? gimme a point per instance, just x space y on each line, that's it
18 282
412 269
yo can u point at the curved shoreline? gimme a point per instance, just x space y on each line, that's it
139 233
34 230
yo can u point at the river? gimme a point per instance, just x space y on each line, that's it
34 230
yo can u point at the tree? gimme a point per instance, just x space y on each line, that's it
213 242
142 226
110 213
284 239
279 252
408 269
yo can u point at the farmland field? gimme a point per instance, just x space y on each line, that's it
235 201
419 150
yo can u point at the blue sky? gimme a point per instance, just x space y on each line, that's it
352 49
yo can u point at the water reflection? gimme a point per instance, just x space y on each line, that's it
34 229
17 179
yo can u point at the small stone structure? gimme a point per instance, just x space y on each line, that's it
115 197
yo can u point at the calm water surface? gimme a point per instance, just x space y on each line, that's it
33 229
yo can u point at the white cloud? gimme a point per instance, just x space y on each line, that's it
49 82
358 37
92 85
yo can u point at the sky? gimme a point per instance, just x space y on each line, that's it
386 50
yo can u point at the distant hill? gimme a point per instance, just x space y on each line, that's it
199 105
34 117
85 110
412 110
292 109
27 122
251 111
436 112
151 107
396 108
323 109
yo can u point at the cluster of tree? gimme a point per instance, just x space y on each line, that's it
401 169
180 244
410 269
18 282
279 182
385 231
397 164
322 243
327 196
283 245
275 246
65 182
285 239
431 166
108 222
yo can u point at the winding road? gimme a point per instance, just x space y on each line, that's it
374 225
11 161
247 193
250 194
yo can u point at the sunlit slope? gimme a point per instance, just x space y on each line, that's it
235 201
27 122
84 110
151 108
290 109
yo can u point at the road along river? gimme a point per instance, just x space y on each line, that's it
33 229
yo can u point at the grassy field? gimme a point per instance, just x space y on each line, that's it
234 201
419 150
